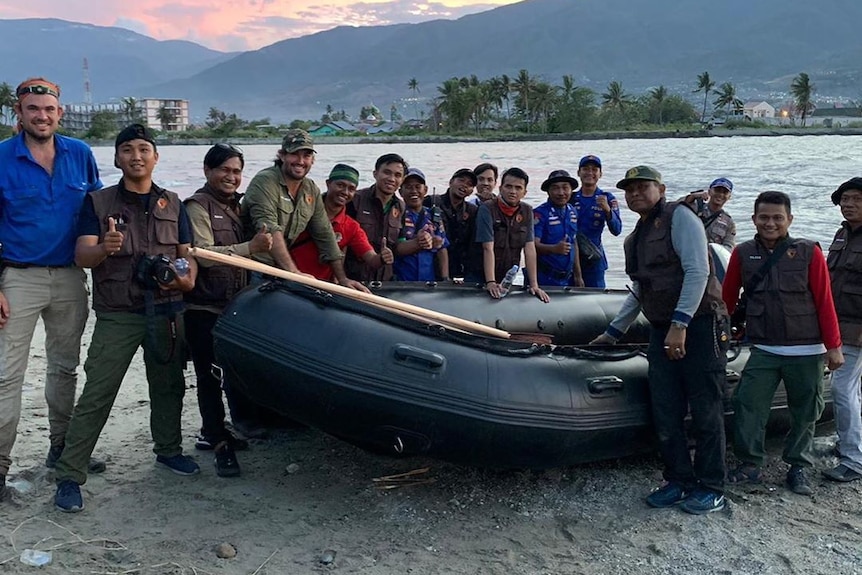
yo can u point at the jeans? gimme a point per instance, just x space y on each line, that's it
59 296
847 400
696 384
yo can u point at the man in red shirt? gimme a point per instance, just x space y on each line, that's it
340 189
792 326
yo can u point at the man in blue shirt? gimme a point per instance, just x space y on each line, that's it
43 180
555 227
423 237
596 208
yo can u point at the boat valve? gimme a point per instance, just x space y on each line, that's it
399 445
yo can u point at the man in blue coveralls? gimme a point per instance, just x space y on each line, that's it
596 208
555 227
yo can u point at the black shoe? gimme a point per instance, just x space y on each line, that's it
797 482
204 443
841 473
54 453
225 460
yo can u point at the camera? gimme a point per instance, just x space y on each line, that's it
153 271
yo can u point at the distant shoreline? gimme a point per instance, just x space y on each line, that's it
448 139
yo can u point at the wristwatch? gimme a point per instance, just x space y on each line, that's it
678 325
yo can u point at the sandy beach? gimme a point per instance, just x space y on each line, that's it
308 503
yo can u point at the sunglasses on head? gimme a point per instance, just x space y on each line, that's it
229 147
38 89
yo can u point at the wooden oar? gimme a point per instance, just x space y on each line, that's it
412 311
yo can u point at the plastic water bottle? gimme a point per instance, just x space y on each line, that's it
36 558
182 266
506 284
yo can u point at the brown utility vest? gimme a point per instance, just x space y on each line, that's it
654 264
510 236
781 309
845 269
465 255
151 232
367 209
216 285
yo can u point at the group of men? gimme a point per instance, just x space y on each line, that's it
790 319
149 293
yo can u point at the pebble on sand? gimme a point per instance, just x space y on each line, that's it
225 551
327 556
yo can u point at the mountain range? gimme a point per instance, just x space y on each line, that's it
758 46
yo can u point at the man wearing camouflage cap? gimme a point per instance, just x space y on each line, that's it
287 202
667 258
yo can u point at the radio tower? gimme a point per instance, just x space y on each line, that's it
88 96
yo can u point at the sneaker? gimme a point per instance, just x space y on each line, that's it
668 495
54 453
746 474
68 497
841 473
797 482
225 460
179 464
204 443
703 501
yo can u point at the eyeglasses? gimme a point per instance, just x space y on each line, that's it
38 89
230 148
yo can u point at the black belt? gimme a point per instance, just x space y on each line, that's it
556 274
22 266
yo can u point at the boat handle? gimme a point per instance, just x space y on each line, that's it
408 354
605 383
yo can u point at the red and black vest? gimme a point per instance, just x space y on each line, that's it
781 308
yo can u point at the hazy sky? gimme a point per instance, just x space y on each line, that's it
240 24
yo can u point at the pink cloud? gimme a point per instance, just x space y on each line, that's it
242 24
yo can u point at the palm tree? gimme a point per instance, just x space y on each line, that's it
413 86
705 85
523 85
451 105
658 96
131 111
544 102
727 98
616 98
166 117
7 101
505 90
802 89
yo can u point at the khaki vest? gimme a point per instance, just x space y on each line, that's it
151 232
845 268
781 309
510 236
654 264
216 285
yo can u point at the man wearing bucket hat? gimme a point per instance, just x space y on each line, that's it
596 209
667 258
720 227
43 180
282 198
555 229
845 269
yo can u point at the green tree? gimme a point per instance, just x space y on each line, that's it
452 105
523 86
131 111
802 89
575 109
166 116
413 86
102 125
615 102
7 102
727 99
658 96
705 84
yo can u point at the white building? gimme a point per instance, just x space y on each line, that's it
758 110
178 110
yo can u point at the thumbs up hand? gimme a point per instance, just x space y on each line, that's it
113 240
261 242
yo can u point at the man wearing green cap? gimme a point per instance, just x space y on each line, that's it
282 198
340 189
667 258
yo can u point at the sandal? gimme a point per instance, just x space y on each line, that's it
746 473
